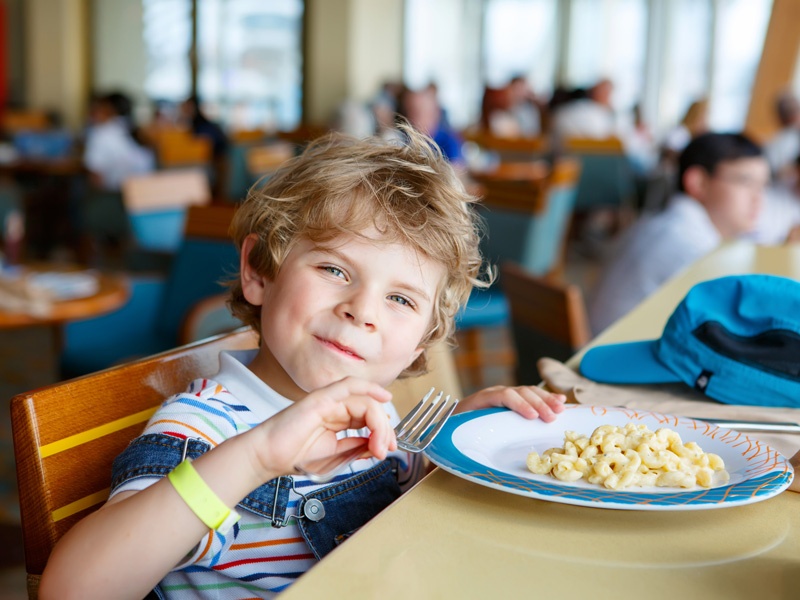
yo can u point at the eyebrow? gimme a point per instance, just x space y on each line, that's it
400 285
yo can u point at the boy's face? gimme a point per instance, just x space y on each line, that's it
734 193
354 308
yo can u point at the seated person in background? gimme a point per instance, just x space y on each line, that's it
200 125
722 178
355 258
384 108
588 117
421 109
693 123
111 153
782 150
512 111
779 221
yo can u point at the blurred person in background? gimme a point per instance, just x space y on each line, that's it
591 116
693 123
779 221
722 178
782 150
421 109
111 155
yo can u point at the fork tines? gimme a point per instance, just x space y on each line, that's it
417 430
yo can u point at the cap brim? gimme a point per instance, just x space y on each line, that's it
633 362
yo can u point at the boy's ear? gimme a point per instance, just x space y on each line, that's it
253 284
695 182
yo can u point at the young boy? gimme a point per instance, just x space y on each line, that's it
355 257
722 177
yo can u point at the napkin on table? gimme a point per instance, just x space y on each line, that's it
673 399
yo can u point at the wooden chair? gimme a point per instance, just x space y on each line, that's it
510 148
15 120
527 221
265 159
548 318
66 436
179 148
156 205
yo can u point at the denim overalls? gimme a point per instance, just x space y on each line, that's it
326 517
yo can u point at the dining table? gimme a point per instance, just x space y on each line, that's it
31 321
449 537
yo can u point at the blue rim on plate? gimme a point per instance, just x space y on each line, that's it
765 472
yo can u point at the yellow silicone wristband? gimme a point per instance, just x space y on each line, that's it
200 498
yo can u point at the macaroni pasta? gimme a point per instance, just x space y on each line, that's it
633 455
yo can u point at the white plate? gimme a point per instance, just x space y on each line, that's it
490 446
67 285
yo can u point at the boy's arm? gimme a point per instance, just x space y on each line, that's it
530 401
124 549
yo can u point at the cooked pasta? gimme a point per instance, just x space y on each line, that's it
633 455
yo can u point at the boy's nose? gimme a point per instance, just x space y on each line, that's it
360 309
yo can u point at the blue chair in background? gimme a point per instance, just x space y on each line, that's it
607 175
151 321
526 222
156 206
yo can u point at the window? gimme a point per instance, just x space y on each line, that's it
608 38
167 32
741 27
250 61
249 71
441 47
662 54
521 38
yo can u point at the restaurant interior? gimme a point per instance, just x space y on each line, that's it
130 130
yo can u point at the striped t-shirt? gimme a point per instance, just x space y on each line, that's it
254 560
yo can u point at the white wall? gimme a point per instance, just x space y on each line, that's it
118 58
353 46
55 58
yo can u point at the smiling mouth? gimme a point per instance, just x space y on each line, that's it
344 350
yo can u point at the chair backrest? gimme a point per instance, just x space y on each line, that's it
205 258
177 147
607 178
528 221
548 318
206 318
66 436
12 121
510 148
265 159
156 205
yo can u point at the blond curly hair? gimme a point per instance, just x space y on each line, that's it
340 185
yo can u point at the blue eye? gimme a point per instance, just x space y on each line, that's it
401 300
336 271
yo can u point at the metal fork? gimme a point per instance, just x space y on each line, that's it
414 433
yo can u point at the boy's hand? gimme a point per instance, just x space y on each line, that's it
306 431
530 401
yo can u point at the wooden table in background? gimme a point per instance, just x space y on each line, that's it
450 538
30 345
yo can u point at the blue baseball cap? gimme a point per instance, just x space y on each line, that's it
736 339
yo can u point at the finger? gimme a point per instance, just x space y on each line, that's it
543 402
382 437
512 398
